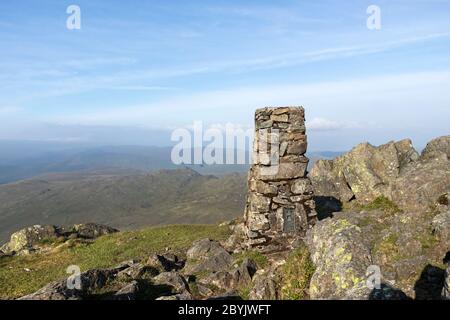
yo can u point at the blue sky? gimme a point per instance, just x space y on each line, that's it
141 66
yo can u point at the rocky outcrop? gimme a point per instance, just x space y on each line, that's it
437 148
404 248
29 238
394 170
421 186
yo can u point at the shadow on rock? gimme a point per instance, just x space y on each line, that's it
326 206
430 284
387 292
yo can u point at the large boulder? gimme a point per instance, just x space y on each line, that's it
421 185
341 257
28 237
207 256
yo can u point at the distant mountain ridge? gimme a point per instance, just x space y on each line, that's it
124 199
26 160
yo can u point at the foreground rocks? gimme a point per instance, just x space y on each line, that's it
209 273
349 247
28 239
394 170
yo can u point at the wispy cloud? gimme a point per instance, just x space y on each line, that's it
61 83
362 99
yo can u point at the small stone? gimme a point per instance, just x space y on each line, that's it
128 292
297 147
302 186
279 118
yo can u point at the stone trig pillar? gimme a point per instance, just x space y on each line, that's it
280 206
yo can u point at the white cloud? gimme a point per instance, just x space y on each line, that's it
398 100
321 124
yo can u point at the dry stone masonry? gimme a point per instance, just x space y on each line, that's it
280 206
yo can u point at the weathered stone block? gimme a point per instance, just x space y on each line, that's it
279 118
282 171
259 203
297 147
263 187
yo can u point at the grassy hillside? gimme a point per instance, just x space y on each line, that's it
21 275
124 201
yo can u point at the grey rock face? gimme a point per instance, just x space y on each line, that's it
128 292
394 170
172 279
238 277
165 262
137 271
437 148
364 172
90 280
264 288
441 225
207 256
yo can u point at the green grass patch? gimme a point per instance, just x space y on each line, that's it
381 203
260 259
295 275
21 275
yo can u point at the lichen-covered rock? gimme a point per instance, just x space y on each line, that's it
341 258
420 186
364 173
394 170
28 238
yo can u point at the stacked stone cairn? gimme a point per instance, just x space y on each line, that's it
280 206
